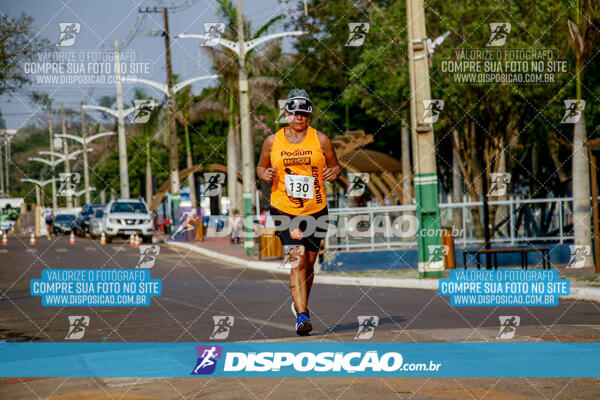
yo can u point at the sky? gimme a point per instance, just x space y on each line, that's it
103 22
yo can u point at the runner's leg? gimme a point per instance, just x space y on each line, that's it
311 257
298 278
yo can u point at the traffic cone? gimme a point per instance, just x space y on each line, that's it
131 240
137 241
4 238
32 239
72 238
103 238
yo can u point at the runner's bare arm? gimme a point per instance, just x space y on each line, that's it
264 170
333 169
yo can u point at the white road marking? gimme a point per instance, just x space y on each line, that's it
116 382
61 250
90 248
253 320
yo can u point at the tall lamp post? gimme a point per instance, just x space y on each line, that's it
170 95
431 263
241 48
120 115
84 141
56 158
39 185
6 135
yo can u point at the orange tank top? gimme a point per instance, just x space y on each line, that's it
298 160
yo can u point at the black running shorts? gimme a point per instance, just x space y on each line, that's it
302 230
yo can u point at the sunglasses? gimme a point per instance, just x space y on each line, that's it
298 104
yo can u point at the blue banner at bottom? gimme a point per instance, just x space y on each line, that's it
293 359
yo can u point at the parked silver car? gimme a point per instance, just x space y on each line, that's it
96 225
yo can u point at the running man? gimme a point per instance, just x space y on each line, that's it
298 159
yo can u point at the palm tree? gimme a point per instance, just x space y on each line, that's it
148 130
581 173
263 79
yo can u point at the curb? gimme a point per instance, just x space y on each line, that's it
576 293
259 265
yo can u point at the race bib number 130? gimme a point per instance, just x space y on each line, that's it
300 186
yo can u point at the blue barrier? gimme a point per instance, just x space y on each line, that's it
407 258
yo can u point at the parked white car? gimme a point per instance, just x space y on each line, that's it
125 217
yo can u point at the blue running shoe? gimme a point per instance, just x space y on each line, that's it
295 313
303 325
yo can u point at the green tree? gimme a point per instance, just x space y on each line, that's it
18 44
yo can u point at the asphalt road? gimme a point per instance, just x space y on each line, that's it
194 289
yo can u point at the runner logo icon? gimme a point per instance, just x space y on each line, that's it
213 32
223 324
214 182
366 326
436 255
143 108
358 32
498 183
207 359
357 182
573 109
77 325
431 111
579 254
499 33
148 254
68 33
508 326
68 183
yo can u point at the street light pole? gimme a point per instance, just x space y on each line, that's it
66 153
123 166
1 168
84 141
249 180
173 154
86 171
53 167
7 155
426 183
170 92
